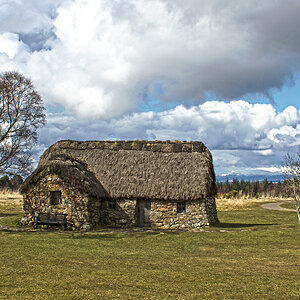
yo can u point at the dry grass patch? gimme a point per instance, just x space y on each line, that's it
10 199
224 204
11 208
6 195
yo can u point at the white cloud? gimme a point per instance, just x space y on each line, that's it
264 152
105 58
270 169
10 46
285 135
229 130
27 15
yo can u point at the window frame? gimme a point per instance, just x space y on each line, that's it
54 196
181 207
111 204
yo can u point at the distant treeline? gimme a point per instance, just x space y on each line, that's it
256 189
10 183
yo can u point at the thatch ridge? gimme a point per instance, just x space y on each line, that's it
140 145
70 170
143 173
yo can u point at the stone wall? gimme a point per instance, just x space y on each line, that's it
86 212
123 215
164 214
211 209
82 211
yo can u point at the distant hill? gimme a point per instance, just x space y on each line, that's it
260 178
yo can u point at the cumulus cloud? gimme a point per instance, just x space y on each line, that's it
104 61
27 16
9 45
106 58
241 135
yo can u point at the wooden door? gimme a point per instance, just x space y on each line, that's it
143 208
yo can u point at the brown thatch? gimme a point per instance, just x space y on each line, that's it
70 170
143 169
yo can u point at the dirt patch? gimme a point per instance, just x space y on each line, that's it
276 206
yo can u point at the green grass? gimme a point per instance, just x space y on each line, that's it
10 216
11 219
252 254
291 205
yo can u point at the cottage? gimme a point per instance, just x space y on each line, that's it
166 185
64 185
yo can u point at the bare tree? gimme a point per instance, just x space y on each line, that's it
21 114
291 169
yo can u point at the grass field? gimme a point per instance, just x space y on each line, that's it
290 205
253 254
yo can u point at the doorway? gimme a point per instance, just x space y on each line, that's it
143 208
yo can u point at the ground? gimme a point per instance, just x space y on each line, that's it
252 254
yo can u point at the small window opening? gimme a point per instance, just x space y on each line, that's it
112 204
180 207
55 197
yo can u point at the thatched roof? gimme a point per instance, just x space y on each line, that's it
70 170
143 169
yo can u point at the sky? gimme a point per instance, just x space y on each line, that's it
226 73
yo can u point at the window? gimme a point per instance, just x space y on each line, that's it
112 204
180 207
55 198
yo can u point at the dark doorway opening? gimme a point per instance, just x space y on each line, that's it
143 208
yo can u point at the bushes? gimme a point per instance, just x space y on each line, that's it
231 194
